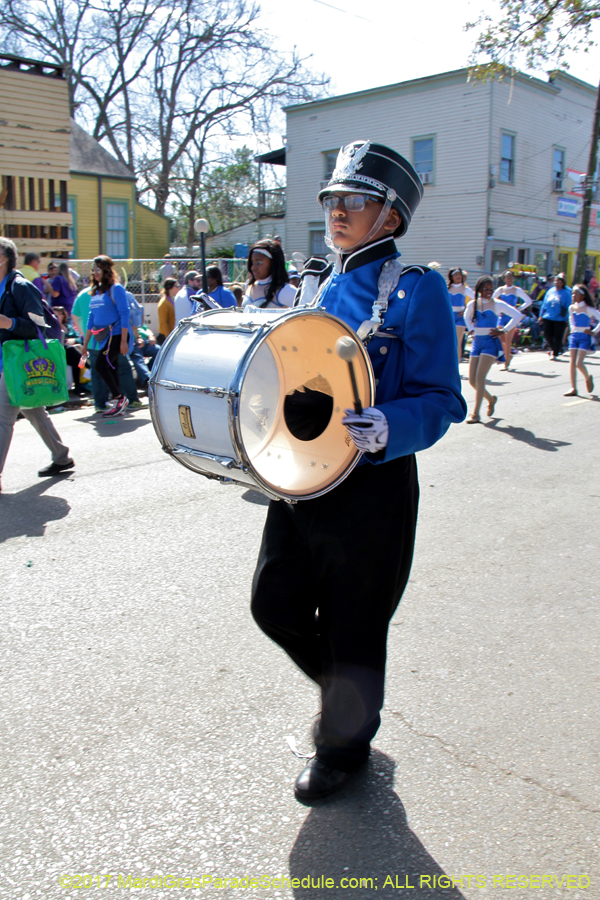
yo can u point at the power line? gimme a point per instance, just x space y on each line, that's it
345 11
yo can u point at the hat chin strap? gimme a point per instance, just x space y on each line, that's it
385 209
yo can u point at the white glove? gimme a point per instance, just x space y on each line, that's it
370 432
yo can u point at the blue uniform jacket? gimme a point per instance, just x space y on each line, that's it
413 355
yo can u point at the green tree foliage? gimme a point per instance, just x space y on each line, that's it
538 34
224 194
533 34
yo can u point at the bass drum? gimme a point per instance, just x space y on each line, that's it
257 397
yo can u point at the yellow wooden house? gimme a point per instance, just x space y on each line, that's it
61 193
106 215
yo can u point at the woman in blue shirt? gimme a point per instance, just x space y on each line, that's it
108 323
553 314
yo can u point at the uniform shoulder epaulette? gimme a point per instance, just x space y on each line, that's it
421 269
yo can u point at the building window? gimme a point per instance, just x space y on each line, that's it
72 229
500 259
507 159
523 256
330 161
423 158
318 247
558 169
116 230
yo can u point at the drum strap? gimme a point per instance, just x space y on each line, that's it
388 279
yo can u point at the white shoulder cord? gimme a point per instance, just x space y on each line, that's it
388 279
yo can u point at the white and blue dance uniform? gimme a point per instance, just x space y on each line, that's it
255 295
580 319
484 321
460 295
511 295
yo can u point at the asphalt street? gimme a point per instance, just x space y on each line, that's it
144 717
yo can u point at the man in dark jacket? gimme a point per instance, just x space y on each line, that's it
20 312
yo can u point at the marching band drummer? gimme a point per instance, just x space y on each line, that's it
331 570
268 284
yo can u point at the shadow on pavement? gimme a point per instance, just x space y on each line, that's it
527 437
27 512
119 425
363 833
255 497
537 374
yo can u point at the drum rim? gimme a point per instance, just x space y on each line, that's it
235 392
263 330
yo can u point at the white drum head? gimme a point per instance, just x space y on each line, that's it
292 398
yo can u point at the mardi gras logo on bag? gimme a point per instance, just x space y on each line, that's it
40 371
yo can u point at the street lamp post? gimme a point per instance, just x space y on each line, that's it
201 227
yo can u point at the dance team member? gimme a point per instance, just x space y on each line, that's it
581 313
510 293
108 322
268 283
331 570
460 294
483 318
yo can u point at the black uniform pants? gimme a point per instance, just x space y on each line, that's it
554 332
330 574
107 364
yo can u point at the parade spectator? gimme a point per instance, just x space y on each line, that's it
238 292
593 288
294 277
31 270
582 314
553 314
100 391
20 310
145 348
63 289
71 342
268 284
184 305
166 309
47 280
108 322
167 270
216 291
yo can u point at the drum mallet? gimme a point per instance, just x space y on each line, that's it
346 349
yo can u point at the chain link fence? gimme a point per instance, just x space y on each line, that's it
144 277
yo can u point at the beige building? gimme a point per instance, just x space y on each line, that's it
34 156
61 192
493 159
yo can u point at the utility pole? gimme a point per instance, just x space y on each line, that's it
589 194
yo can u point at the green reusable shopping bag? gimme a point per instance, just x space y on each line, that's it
35 372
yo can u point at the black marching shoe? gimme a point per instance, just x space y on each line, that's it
318 780
55 469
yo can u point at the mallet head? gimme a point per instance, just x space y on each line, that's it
346 348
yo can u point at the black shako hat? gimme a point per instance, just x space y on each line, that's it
377 170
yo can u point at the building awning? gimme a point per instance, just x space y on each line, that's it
274 157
